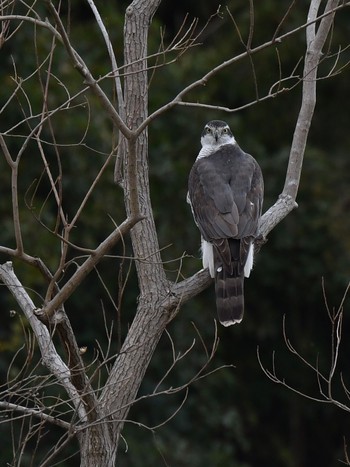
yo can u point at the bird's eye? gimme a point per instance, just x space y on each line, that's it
225 130
208 130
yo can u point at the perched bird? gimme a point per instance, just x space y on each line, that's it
225 191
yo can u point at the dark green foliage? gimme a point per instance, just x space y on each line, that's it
236 416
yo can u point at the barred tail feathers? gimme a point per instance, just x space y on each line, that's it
229 279
229 297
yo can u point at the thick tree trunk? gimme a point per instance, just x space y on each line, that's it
131 365
97 447
99 443
151 316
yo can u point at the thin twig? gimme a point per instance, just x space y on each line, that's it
29 412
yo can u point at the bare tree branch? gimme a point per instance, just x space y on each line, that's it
118 86
50 357
325 380
49 308
79 64
315 44
27 411
203 81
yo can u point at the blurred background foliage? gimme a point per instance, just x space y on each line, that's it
235 416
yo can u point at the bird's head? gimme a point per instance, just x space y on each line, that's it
216 133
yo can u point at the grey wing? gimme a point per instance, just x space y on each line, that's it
212 202
226 198
226 195
252 199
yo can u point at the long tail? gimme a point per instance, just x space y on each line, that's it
229 297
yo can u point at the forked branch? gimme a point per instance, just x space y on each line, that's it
325 379
315 42
287 200
50 356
